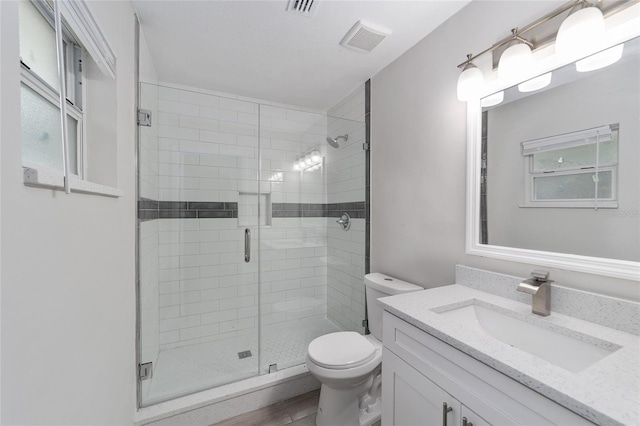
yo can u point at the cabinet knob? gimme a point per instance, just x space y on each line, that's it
465 422
445 410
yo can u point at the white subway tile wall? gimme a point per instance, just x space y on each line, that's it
208 151
346 183
149 309
149 145
148 231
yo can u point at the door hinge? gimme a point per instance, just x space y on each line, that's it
365 146
145 371
144 117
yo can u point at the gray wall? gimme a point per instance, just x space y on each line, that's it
419 155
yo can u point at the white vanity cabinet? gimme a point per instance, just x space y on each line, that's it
422 373
416 400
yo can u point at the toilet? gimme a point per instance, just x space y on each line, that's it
348 364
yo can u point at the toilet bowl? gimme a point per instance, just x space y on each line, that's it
348 364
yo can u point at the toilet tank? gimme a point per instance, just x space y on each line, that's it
379 285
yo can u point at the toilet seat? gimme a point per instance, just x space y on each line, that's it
342 350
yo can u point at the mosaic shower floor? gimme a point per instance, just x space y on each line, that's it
189 369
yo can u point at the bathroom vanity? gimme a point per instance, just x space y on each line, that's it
455 355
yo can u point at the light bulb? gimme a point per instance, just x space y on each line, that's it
307 159
296 166
601 59
470 83
315 156
535 83
301 163
579 33
514 62
492 100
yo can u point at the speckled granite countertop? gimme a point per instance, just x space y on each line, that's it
607 392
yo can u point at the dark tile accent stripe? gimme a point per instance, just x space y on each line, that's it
217 214
150 209
145 204
355 210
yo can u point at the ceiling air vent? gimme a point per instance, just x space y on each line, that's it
364 37
303 7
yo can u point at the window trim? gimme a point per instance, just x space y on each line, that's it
44 177
573 139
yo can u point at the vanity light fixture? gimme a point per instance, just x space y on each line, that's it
516 60
309 161
580 34
470 81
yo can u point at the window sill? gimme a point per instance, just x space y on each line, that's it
602 204
54 179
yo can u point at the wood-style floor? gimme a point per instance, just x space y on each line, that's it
298 411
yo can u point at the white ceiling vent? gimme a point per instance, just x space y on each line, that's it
364 37
303 7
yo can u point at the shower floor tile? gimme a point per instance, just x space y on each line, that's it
189 369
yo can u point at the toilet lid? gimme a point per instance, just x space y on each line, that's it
346 349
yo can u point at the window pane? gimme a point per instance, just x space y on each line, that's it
41 134
573 186
72 130
38 44
576 157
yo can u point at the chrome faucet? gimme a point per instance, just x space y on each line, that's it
540 287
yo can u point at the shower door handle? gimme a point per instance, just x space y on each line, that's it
247 245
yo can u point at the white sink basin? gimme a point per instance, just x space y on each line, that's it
565 348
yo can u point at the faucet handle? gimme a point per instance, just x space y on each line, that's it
540 275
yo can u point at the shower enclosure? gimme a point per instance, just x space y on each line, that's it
241 262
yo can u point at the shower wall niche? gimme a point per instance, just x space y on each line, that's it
214 169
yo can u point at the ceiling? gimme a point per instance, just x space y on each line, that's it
258 49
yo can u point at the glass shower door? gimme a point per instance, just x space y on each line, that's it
198 212
311 280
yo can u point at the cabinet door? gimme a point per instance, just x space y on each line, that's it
469 418
410 399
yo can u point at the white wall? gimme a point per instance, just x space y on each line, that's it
419 155
68 301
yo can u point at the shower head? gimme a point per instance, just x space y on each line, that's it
334 141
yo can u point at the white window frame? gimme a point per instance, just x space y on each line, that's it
92 42
560 141
76 93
